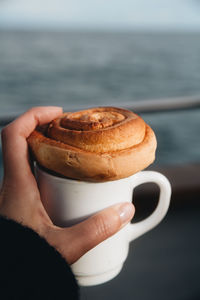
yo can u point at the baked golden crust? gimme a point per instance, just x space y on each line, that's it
99 130
98 144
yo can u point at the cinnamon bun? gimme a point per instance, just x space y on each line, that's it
97 144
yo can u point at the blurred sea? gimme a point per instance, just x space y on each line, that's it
73 69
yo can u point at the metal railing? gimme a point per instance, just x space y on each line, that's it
141 106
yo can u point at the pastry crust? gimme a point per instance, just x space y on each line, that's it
99 144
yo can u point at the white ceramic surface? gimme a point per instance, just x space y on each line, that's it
70 201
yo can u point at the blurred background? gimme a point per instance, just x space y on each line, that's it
139 54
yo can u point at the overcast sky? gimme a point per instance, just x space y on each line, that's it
166 14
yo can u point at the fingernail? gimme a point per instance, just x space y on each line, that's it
125 211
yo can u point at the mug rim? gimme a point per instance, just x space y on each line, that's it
61 178
56 176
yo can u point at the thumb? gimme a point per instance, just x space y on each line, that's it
73 242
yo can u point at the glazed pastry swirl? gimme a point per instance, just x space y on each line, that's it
98 144
99 130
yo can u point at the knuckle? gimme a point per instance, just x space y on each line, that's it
33 109
36 109
103 226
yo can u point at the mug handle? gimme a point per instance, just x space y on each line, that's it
137 229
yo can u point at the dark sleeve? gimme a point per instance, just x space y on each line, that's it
30 268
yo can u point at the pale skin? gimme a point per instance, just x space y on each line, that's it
20 197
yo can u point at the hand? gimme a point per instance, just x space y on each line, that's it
20 197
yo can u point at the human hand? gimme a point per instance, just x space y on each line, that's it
20 197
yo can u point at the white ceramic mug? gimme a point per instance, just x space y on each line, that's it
70 201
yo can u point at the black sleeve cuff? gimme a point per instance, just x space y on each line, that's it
30 268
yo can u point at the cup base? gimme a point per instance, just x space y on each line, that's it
99 278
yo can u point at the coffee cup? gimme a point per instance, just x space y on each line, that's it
69 201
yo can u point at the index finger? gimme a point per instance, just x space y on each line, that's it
14 144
